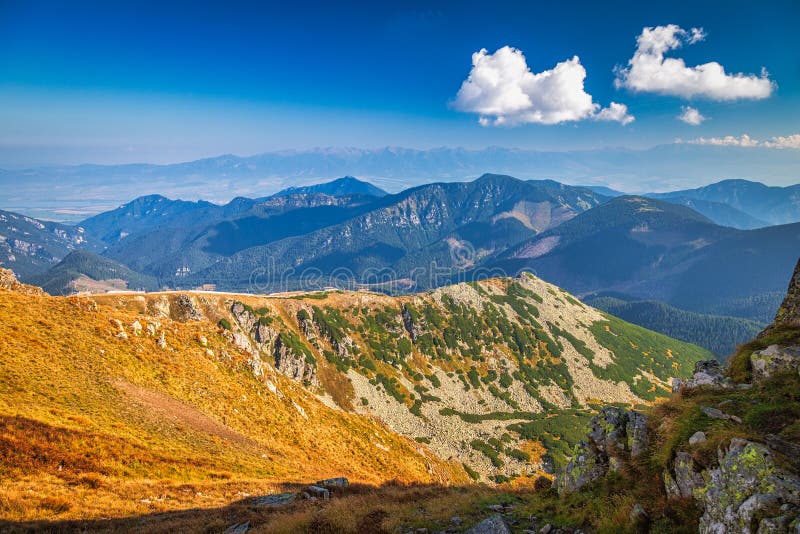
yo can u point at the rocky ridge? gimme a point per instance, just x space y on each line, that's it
488 362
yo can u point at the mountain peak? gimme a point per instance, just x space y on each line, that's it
346 185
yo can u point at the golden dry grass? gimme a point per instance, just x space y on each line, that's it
94 426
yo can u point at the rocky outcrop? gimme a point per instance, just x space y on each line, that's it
773 359
411 327
8 281
306 324
185 309
749 493
708 373
243 316
615 436
294 365
788 315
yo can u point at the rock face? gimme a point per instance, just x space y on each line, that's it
788 315
615 435
748 493
708 373
267 340
294 365
774 358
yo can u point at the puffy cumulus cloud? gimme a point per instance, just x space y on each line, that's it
690 115
649 71
615 112
502 90
744 140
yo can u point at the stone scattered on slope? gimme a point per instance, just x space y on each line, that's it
278 499
338 482
491 525
238 528
697 437
708 373
716 413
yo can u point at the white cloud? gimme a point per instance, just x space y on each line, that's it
502 89
744 140
649 71
789 141
690 115
615 112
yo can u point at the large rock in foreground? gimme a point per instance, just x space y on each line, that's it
748 493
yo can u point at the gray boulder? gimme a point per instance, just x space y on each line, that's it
491 525
278 499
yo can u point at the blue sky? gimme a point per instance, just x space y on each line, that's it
123 81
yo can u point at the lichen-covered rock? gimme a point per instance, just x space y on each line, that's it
773 359
587 465
636 430
748 493
614 436
687 477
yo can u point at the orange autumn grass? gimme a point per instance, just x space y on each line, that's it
95 426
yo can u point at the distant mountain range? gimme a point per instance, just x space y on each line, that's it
699 255
653 250
775 205
70 193
29 246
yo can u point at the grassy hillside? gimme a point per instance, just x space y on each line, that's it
473 360
95 424
720 335
126 404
